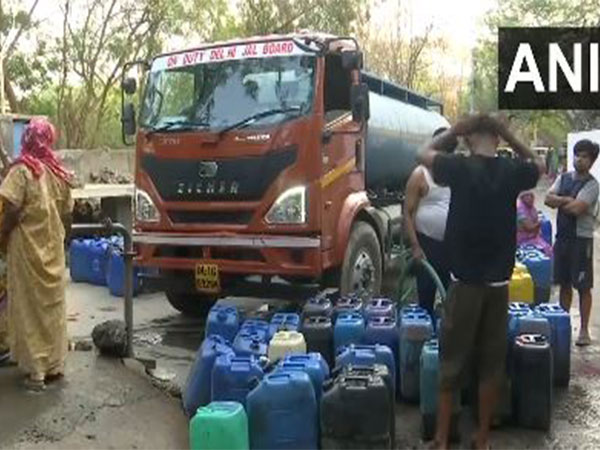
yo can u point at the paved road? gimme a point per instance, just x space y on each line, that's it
105 404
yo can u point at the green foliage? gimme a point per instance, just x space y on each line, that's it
338 17
549 126
74 78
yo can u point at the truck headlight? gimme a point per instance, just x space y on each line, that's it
290 207
145 210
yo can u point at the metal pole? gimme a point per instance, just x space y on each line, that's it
109 228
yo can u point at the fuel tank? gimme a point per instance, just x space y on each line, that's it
400 123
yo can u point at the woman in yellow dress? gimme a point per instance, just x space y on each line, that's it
36 196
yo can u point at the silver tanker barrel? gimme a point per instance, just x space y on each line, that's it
396 131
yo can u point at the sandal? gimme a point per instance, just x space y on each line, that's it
33 385
4 358
53 377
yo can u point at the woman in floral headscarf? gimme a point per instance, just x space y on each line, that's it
528 224
36 196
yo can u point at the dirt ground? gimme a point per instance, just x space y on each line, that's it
107 403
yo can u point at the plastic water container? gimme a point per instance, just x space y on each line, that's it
115 274
313 365
517 308
383 330
429 388
98 251
349 304
317 306
219 426
197 390
380 307
532 381
256 326
248 343
79 260
541 294
415 330
349 329
318 334
378 370
233 377
356 413
286 343
223 320
284 322
546 228
367 355
411 308
531 322
526 321
282 412
521 287
560 341
313 357
539 266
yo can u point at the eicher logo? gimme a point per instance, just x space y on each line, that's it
548 68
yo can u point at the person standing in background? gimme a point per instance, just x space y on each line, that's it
528 224
425 212
575 195
37 203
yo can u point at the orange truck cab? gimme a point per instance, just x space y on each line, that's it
275 156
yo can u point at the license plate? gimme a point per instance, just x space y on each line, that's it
207 278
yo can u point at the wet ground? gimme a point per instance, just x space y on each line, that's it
576 415
105 404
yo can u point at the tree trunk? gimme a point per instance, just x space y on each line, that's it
10 94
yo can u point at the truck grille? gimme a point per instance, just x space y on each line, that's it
211 217
232 179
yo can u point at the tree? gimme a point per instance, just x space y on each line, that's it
409 58
399 59
15 24
550 126
98 38
339 17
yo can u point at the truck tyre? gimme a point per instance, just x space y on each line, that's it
362 267
193 305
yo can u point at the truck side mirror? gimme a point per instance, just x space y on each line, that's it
129 85
359 96
128 119
352 60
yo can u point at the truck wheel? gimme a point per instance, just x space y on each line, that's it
362 267
193 305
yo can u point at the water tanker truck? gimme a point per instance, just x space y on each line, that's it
276 157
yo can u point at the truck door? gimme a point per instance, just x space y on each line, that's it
340 176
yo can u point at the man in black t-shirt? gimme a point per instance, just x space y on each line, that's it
481 241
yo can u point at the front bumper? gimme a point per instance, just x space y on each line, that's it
234 254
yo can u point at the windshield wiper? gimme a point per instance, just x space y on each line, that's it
180 125
248 120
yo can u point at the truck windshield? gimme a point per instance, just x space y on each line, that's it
218 95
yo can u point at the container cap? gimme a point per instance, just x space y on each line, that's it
220 409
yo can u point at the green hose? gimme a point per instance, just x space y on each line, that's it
410 262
